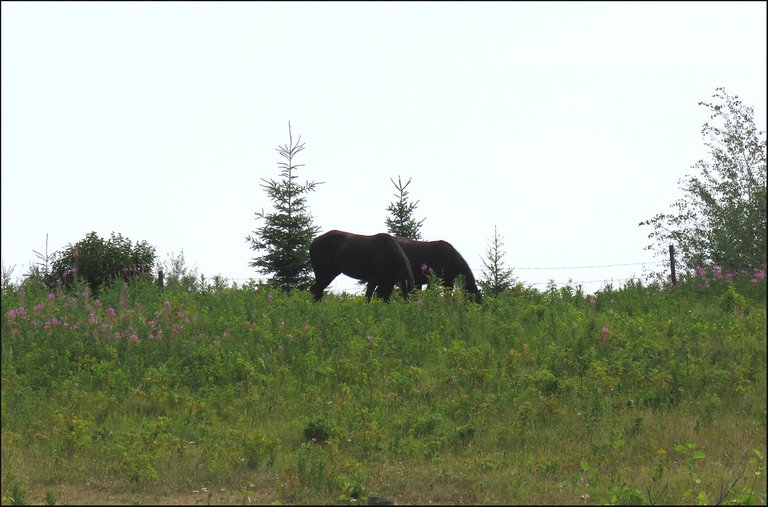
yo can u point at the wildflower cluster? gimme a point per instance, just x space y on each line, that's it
705 277
87 316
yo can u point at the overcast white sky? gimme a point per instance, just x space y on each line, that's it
562 124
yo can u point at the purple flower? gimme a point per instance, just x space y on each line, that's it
604 330
759 273
111 313
75 254
38 307
701 272
167 305
134 338
51 296
369 337
11 314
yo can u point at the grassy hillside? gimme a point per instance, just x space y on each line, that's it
236 395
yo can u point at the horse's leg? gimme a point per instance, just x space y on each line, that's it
369 290
320 284
385 291
404 289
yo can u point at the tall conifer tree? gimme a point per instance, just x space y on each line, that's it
401 221
288 231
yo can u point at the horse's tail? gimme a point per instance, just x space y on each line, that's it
405 276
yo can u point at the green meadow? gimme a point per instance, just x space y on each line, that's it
639 394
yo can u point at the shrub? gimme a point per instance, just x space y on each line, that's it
100 262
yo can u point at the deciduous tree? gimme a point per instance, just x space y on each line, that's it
721 218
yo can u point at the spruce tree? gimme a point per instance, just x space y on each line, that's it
288 231
496 278
401 221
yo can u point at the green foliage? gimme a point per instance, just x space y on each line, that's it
288 231
317 431
721 219
176 273
99 262
401 221
496 278
433 399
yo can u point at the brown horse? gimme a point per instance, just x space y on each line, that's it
376 259
442 259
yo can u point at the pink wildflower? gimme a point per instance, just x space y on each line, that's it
134 338
38 307
51 296
111 313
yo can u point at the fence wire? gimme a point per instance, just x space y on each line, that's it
358 288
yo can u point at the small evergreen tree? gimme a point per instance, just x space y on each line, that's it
286 233
401 221
721 220
496 278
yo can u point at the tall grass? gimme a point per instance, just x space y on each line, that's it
631 395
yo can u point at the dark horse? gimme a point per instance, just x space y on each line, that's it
441 258
375 259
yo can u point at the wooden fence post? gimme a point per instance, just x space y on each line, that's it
672 264
160 278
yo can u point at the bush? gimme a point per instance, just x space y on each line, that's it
99 262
